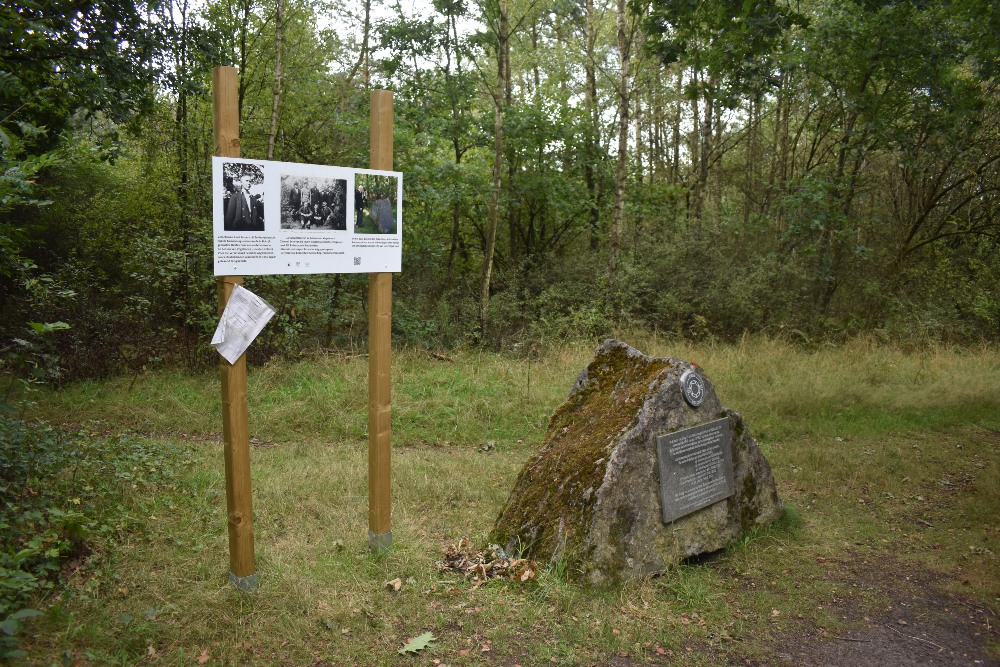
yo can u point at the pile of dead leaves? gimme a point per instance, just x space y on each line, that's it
482 565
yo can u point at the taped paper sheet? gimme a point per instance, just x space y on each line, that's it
242 320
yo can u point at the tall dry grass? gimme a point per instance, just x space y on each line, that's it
480 396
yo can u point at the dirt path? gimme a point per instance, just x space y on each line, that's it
912 621
905 619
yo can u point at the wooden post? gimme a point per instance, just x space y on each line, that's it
379 352
235 432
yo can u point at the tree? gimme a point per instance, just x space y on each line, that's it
499 20
730 47
62 56
625 38
61 63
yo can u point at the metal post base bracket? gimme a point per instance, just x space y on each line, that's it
379 543
247 583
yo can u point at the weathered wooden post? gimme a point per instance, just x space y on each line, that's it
379 351
235 431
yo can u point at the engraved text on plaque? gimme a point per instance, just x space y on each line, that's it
696 468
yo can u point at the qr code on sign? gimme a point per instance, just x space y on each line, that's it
357 261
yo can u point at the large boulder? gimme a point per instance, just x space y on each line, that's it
593 497
382 214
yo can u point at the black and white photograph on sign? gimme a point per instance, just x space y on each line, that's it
313 202
243 197
375 204
272 218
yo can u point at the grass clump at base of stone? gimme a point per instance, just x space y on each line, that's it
885 483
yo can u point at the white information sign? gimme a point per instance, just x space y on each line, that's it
284 217
242 320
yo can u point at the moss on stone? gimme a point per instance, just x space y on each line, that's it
555 494
748 509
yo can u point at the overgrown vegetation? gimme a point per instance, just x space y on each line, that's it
63 495
887 460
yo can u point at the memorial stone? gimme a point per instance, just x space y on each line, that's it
640 468
382 214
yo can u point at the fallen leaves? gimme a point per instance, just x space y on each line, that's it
418 643
694 618
481 565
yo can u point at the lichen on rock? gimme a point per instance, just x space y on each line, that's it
590 497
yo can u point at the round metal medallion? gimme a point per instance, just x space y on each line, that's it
693 387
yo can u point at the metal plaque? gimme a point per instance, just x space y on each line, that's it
693 386
696 468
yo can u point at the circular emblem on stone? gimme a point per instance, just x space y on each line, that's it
693 387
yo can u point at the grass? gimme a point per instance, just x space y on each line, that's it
880 453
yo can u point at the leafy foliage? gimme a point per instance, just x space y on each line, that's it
824 168
62 55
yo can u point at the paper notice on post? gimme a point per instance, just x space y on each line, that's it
242 320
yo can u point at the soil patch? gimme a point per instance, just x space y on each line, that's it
907 620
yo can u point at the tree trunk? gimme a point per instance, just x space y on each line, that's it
750 187
276 93
639 147
675 166
499 106
182 138
705 152
694 150
624 82
244 56
181 142
593 115
451 42
656 128
717 147
366 33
